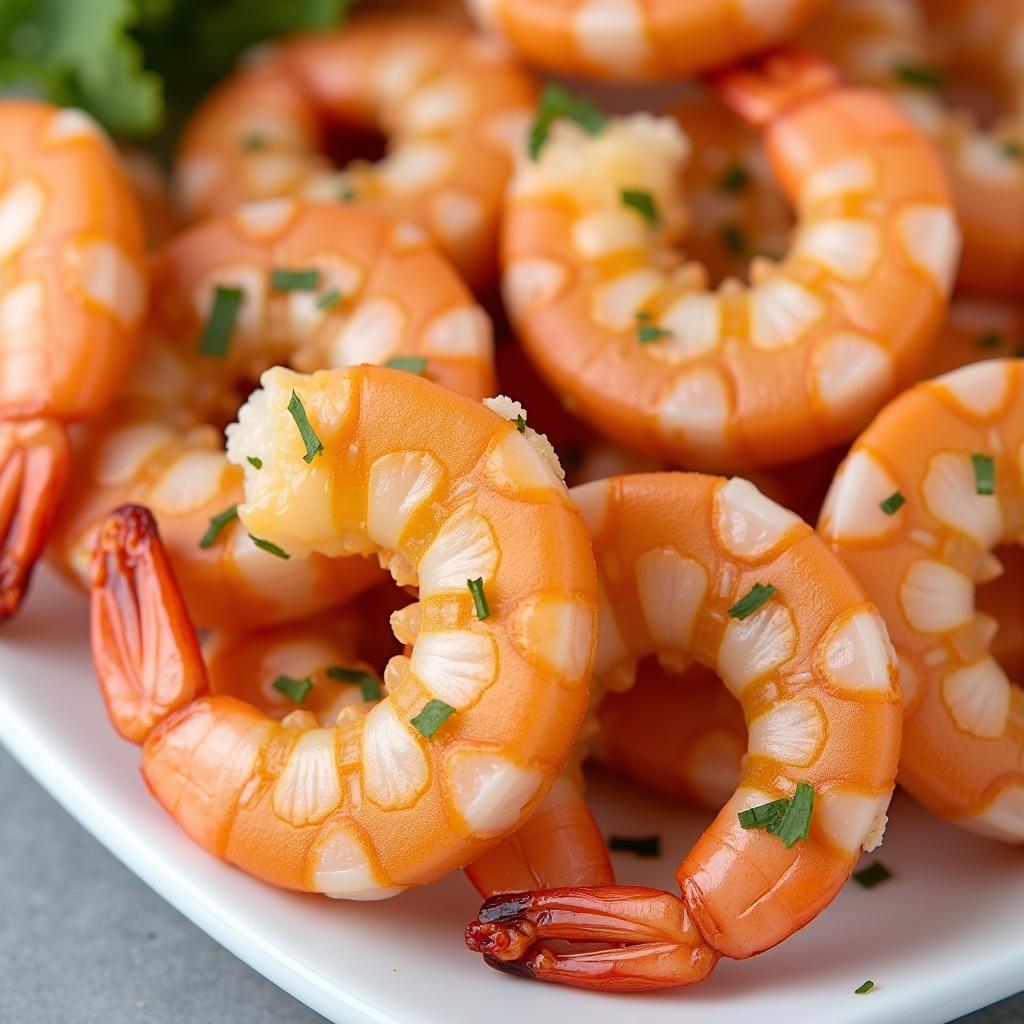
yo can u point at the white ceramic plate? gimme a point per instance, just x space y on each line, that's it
946 936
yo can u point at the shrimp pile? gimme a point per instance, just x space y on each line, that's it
369 590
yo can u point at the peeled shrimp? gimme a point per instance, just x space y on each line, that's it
926 494
679 556
361 290
758 375
641 40
72 295
447 491
449 104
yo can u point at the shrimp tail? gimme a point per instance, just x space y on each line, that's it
34 464
560 844
144 645
764 88
651 940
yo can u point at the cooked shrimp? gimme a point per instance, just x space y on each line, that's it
641 40
955 66
476 722
449 104
72 294
652 359
925 495
692 566
300 283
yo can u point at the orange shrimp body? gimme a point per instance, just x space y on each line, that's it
951 449
641 40
447 491
955 67
449 104
678 555
743 376
72 296
362 290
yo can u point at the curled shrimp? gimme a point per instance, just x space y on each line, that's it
307 284
479 718
955 67
759 375
918 509
448 102
692 566
641 40
72 295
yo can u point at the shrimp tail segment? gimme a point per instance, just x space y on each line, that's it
144 645
768 86
34 464
651 940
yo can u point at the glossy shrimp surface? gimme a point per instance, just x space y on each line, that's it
952 449
652 358
641 40
448 103
355 289
956 68
447 491
813 671
72 296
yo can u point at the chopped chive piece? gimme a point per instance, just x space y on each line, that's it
789 820
476 588
346 194
642 846
286 279
1013 149
796 823
217 523
434 714
733 238
893 503
643 203
991 339
328 300
255 461
314 446
414 364
556 102
220 325
984 473
368 683
294 689
269 546
865 988
521 424
751 600
921 75
646 333
254 141
874 874
735 178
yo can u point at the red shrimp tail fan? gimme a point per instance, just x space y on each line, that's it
144 646
34 464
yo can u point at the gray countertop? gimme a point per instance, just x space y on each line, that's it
83 941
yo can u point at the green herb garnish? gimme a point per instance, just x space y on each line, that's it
733 238
314 446
1012 148
369 684
984 473
643 203
521 424
254 141
557 102
788 819
328 300
751 600
647 333
642 846
255 461
270 547
874 874
217 523
921 76
862 989
285 279
296 690
414 364
991 339
891 505
735 178
434 714
220 324
476 588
